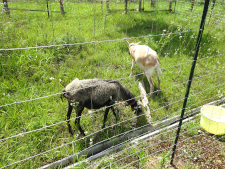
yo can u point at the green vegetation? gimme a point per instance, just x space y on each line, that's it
36 72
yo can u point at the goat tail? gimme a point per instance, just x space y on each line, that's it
159 70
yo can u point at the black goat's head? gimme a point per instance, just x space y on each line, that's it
65 94
136 107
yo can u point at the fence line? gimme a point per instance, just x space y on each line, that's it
22 134
101 41
161 151
145 147
124 133
86 137
159 127
201 29
110 81
126 120
55 149
218 139
34 10
172 144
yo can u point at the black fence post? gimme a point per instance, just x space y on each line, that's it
191 74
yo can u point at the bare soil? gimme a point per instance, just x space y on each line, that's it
199 151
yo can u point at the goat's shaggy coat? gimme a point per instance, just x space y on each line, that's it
94 94
147 59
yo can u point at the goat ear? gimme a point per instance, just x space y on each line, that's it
138 43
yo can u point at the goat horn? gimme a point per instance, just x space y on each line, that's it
127 42
136 40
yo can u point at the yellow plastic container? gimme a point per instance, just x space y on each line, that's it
213 119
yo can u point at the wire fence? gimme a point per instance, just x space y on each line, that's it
89 42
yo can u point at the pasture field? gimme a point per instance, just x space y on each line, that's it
28 74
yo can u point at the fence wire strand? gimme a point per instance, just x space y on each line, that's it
162 127
162 151
82 139
185 63
22 134
159 127
101 41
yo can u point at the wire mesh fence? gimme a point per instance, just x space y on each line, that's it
42 51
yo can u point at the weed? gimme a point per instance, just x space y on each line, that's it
164 159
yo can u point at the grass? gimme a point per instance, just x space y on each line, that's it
32 73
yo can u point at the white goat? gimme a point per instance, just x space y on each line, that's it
147 59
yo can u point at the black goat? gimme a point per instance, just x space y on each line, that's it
94 94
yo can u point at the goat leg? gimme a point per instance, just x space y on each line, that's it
114 114
132 67
68 118
77 121
157 72
105 116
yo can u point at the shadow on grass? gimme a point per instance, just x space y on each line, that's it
116 134
183 42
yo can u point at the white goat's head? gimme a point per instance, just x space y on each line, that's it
131 43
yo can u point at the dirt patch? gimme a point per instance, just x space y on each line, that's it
199 151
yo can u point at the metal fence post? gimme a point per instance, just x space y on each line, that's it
191 74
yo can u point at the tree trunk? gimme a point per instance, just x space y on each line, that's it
214 1
107 4
125 6
140 5
170 6
61 7
152 3
6 8
192 4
